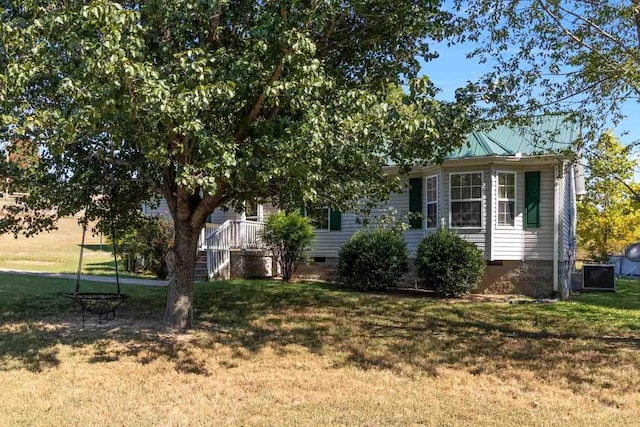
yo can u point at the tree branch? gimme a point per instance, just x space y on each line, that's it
580 41
168 190
215 23
257 107
634 193
208 203
565 30
636 5
600 30
275 76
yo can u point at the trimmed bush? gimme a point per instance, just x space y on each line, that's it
448 264
372 260
288 236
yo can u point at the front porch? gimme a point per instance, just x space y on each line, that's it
235 248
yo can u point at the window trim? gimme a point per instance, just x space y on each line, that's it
321 230
499 199
434 202
481 200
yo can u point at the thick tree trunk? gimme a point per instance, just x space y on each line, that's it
179 311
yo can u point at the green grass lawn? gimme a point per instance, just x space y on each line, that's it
269 353
58 251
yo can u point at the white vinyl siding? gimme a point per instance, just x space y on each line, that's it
538 242
568 214
328 244
268 209
217 217
507 241
497 242
567 242
161 210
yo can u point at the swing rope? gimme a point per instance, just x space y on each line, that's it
100 303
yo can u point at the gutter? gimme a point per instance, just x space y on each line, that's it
474 160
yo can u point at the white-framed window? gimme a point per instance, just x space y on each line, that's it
506 199
320 218
323 218
431 215
465 200
252 211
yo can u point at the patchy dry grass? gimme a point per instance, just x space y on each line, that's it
267 353
57 251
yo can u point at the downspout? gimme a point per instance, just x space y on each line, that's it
574 222
555 228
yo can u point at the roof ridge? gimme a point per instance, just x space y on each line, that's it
480 137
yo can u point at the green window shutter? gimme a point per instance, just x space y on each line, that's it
532 199
415 201
335 220
303 210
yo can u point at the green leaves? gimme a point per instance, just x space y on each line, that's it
288 236
213 103
556 56
220 102
608 214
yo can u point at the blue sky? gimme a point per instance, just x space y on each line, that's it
452 70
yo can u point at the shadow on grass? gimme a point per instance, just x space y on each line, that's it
107 268
105 247
102 267
627 296
570 343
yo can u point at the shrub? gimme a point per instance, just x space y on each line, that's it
448 264
372 260
288 236
144 247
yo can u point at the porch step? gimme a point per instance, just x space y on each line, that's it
200 271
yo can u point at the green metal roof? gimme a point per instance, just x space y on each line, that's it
545 135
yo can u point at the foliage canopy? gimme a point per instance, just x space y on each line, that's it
212 103
608 214
578 56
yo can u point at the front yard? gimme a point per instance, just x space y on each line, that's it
268 353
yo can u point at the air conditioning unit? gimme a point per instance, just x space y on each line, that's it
598 277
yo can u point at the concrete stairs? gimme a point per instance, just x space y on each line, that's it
200 272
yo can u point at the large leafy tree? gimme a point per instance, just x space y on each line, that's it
608 216
17 156
580 56
211 103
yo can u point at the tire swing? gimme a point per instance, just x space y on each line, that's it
100 303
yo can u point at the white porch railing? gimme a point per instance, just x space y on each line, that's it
232 234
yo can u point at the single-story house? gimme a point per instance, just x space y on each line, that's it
511 191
